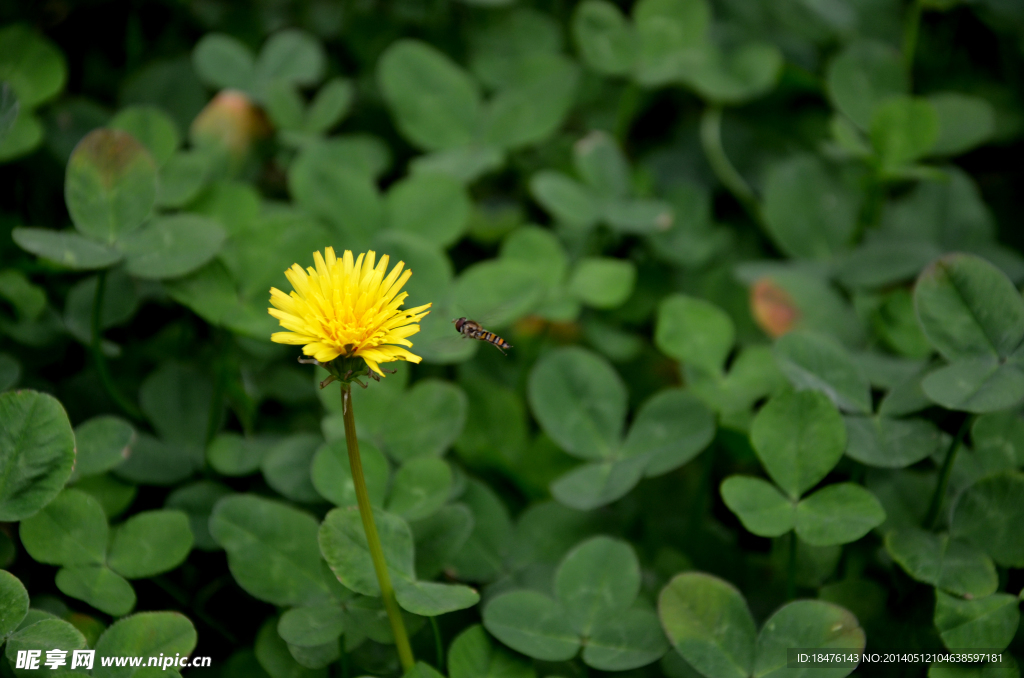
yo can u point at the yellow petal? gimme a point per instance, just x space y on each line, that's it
290 338
351 301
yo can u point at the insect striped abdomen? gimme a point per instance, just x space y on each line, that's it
473 330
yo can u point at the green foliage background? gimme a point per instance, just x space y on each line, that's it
759 261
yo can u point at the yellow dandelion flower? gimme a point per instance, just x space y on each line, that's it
348 307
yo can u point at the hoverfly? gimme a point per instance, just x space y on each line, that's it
473 330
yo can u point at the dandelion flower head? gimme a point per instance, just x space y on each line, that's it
348 307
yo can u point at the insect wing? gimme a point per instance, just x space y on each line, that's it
495 318
440 343
500 316
483 329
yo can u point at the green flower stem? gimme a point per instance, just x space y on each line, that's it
96 347
932 517
438 644
344 660
372 538
910 31
714 151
